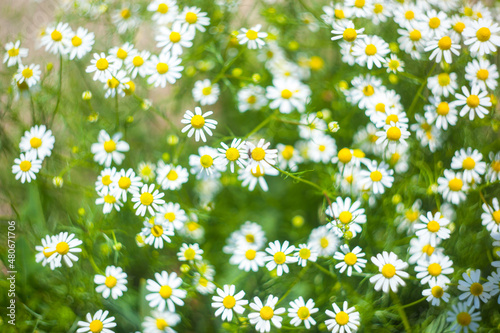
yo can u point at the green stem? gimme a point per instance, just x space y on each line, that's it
297 279
261 125
324 270
401 312
117 113
419 91
59 93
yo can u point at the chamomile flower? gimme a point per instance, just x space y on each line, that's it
436 293
421 249
474 292
197 124
165 11
171 213
251 97
43 255
305 253
203 164
109 149
442 113
102 66
265 314
452 187
408 216
121 53
236 153
29 74
380 12
288 94
301 311
137 63
205 92
392 135
412 40
470 163
493 173
342 321
491 216
482 73
157 231
323 241
427 133
260 156
394 64
125 181
407 14
56 37
434 269
109 200
443 47
79 43
377 177
126 18
64 247
370 51
364 88
321 148
464 318
337 12
26 167
194 18
164 68
253 37
116 85
443 84
435 23
165 292
279 255
38 141
311 126
391 272
474 102
248 259
190 252
147 199
14 53
288 157
350 259
432 228
360 8
161 322
146 171
174 39
346 31
113 282
227 300
482 36
493 284
98 323
203 285
348 213
171 177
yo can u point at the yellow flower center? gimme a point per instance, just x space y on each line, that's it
258 154
305 253
189 254
27 72
192 226
125 13
96 326
121 53
482 74
232 154
428 249
468 11
191 17
109 199
445 43
444 79
162 68
376 176
287 153
25 166
102 64
339 13
47 254
76 41
13 52
359 3
350 258
165 291
252 99
197 121
393 133
162 8
250 254
443 109
495 165
455 184
124 183
464 319
412 215
368 90
391 118
303 313
258 172
473 101
206 91
378 8
251 34
394 64
106 180
342 318
172 175
157 230
110 281
476 289
56 36
113 83
459 27
229 302
433 226
345 217
35 142
349 35
496 216
109 146
409 15
316 63
175 37
483 34
370 49
437 291
130 88
146 198
434 23
161 324
434 269
62 248
206 161
469 163
169 216
324 242
344 155
388 271
266 312
279 257
415 35
322 148
137 61
286 94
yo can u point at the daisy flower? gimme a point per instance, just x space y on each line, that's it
99 323
434 269
442 48
288 94
300 312
117 84
305 253
380 12
43 255
260 153
421 249
165 292
346 31
25 167
126 18
394 64
364 88
470 163
171 177
348 213
165 11
391 272
359 8
147 199
250 235
442 113
253 37
377 177
311 126
452 187
412 40
321 148
203 285
279 256
443 84
265 314
251 97
226 301
248 259
370 51
491 216
125 181
407 14
38 141
342 321
137 63
432 228
63 247
463 318
482 73
332 13
494 284
175 39
253 177
172 213
190 252
28 74
289 157
194 18
436 23
102 66
236 153
482 36
409 216
164 68
109 201
146 171
474 292
113 282
350 259
56 37
155 232
203 165
493 173
160 322
104 182
474 102
109 149
323 241
392 135
79 43
14 53
436 292
197 124
205 93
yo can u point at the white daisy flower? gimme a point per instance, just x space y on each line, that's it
435 23
311 126
109 149
104 182
474 292
194 18
305 253
164 68
56 38
370 51
331 13
99 323
288 94
435 268
391 272
116 85
203 285
125 181
470 163
279 256
113 282
443 84
359 8
165 11
174 39
350 259
155 232
346 31
482 73
250 235
102 66
421 249
364 88
25 167
137 63
171 213
323 241
126 18
171 177
452 187
79 43
205 92
342 321
63 247
380 11
474 102
300 312
493 173
248 259
227 300
253 177
251 97
265 314
442 113
165 292
412 40
190 252
260 156
376 178
321 148
458 24
494 284
38 141
348 213
197 124
443 47
394 64
236 153
408 216
203 165
160 322
147 199
146 171
482 36
28 74
432 228
121 53
436 293
43 255
464 319
289 157
109 201
393 135
14 53
253 37
407 14
491 216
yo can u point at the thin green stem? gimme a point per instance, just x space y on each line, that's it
419 91
59 92
401 312
324 270
261 125
117 113
297 279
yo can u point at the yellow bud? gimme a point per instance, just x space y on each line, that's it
348 235
118 246
256 78
93 117
396 198
298 221
165 157
130 119
394 47
185 268
319 115
58 181
190 71
293 45
146 104
50 66
75 149
87 95
81 211
237 72
172 139
393 78
343 85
